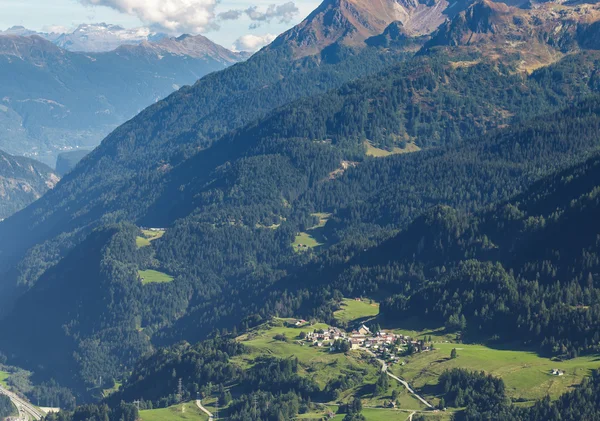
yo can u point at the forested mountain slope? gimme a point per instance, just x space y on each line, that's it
59 100
22 181
138 159
228 269
239 164
369 197
140 154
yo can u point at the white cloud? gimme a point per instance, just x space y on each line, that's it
231 15
170 15
284 13
251 42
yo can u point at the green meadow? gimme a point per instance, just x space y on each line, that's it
378 414
527 375
321 365
305 241
352 310
382 153
183 412
108 392
316 363
154 277
323 218
3 376
147 237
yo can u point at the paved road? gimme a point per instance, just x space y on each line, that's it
384 368
24 407
427 404
203 409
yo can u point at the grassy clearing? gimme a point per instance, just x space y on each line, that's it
316 363
107 392
323 218
142 242
526 375
174 413
147 237
352 310
377 414
3 376
154 277
382 153
305 241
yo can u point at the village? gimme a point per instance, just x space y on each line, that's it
385 345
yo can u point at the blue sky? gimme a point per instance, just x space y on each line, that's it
42 14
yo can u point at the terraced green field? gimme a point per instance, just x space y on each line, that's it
174 413
154 277
526 374
352 310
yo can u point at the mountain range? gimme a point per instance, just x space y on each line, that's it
440 156
61 100
92 38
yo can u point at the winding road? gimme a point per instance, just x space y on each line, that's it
203 409
23 406
384 368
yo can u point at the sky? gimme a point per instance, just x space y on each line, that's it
236 24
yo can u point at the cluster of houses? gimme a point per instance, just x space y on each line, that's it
325 337
384 343
381 343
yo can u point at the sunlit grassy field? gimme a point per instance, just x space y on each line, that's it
305 241
175 413
382 153
3 376
352 310
378 414
316 363
154 277
147 237
526 374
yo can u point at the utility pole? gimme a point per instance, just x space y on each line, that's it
179 391
217 409
255 399
137 404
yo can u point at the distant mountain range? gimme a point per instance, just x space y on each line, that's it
60 100
93 38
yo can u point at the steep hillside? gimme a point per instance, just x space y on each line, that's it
362 202
66 161
145 150
61 100
227 265
250 160
22 181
